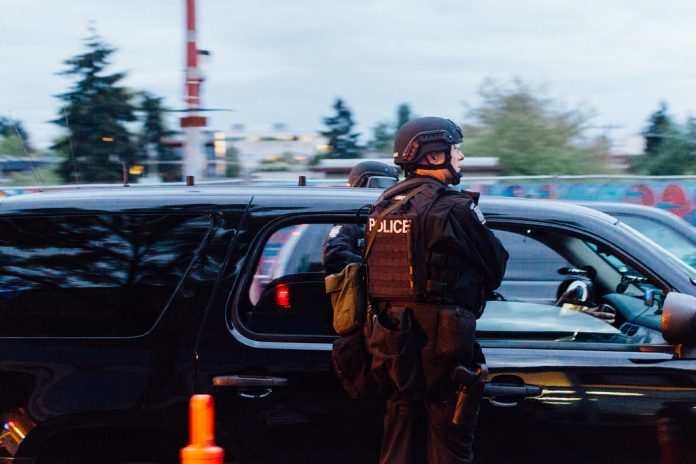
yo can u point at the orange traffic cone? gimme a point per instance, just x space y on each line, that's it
201 449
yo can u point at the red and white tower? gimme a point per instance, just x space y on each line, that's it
195 161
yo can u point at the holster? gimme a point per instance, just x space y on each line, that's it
471 382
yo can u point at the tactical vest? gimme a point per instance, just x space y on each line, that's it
392 256
399 265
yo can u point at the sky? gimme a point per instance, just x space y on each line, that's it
280 61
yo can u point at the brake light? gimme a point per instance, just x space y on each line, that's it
283 296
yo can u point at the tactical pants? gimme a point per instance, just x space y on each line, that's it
415 348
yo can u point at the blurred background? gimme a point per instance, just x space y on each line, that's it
583 100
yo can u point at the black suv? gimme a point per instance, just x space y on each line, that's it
117 304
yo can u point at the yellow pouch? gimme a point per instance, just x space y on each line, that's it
348 292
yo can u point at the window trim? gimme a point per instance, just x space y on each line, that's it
239 297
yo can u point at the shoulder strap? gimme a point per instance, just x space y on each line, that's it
391 208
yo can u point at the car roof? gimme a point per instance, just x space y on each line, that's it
328 203
111 198
628 208
623 211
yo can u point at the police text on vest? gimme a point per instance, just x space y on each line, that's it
392 226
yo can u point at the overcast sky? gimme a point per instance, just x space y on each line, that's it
286 61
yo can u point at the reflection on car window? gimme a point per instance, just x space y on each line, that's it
92 275
287 292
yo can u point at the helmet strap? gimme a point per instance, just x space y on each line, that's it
456 176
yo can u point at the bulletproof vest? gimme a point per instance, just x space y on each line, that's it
391 259
400 267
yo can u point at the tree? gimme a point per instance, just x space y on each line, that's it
342 142
11 128
12 146
94 113
669 149
154 131
14 139
382 138
660 129
529 133
403 115
383 133
233 167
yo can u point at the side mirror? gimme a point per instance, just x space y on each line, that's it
679 324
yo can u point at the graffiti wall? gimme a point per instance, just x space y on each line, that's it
676 197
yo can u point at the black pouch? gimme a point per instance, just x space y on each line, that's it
353 364
456 329
395 355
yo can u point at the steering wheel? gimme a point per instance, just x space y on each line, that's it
577 291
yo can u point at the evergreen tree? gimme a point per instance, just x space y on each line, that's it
94 113
690 135
668 149
382 138
383 133
660 129
403 115
342 142
154 132
11 128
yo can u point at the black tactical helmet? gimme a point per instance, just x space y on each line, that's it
421 136
362 172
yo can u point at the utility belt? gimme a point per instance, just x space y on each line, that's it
396 339
428 315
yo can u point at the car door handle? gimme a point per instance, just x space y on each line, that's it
250 386
511 392
249 381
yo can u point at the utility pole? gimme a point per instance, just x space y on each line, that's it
195 161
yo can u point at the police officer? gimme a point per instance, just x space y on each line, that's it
432 261
344 243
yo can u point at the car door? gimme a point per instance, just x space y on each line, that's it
265 352
98 309
603 391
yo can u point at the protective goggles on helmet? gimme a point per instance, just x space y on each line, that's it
437 140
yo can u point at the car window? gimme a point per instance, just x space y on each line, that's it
286 293
532 269
92 275
669 238
587 281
